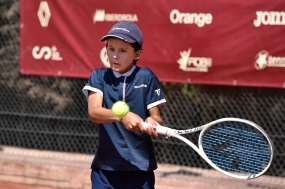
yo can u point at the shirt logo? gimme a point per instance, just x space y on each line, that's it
193 64
263 59
44 14
157 91
140 86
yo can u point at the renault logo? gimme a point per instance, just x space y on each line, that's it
44 14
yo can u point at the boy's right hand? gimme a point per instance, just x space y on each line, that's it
133 122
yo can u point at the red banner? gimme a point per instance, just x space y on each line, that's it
224 42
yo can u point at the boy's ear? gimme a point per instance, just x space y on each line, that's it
138 54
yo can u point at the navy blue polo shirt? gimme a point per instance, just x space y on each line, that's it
118 148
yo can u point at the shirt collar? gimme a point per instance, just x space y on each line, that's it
117 74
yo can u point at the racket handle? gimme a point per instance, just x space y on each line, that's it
161 129
164 130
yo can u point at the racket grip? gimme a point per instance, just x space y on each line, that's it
145 125
164 130
160 129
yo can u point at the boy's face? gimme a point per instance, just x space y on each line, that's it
121 55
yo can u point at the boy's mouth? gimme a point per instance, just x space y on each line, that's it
116 64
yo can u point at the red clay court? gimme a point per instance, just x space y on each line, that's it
35 169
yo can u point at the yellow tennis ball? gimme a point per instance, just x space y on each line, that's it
120 109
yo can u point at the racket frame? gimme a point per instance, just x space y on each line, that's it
177 134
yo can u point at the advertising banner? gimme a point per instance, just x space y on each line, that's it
222 42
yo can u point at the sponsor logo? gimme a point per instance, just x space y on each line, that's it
200 19
44 14
46 53
104 57
269 18
193 64
140 86
101 16
124 29
157 91
263 59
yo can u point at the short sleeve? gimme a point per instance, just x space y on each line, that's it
94 84
155 95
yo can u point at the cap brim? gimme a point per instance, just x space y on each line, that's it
121 36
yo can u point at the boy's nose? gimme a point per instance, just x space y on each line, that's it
115 56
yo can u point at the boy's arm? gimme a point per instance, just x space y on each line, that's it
154 119
131 121
96 112
154 113
99 114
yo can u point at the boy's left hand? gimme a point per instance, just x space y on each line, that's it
151 129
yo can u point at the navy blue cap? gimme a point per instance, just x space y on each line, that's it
127 31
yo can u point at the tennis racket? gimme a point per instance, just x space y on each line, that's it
236 147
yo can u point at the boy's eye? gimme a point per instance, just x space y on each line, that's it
110 49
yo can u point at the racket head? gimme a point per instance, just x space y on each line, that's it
236 147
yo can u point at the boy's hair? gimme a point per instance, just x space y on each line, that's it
136 47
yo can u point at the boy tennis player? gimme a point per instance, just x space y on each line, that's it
125 156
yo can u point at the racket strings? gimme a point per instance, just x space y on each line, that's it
237 148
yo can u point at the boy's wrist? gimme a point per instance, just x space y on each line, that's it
118 119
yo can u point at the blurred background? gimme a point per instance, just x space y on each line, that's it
46 114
